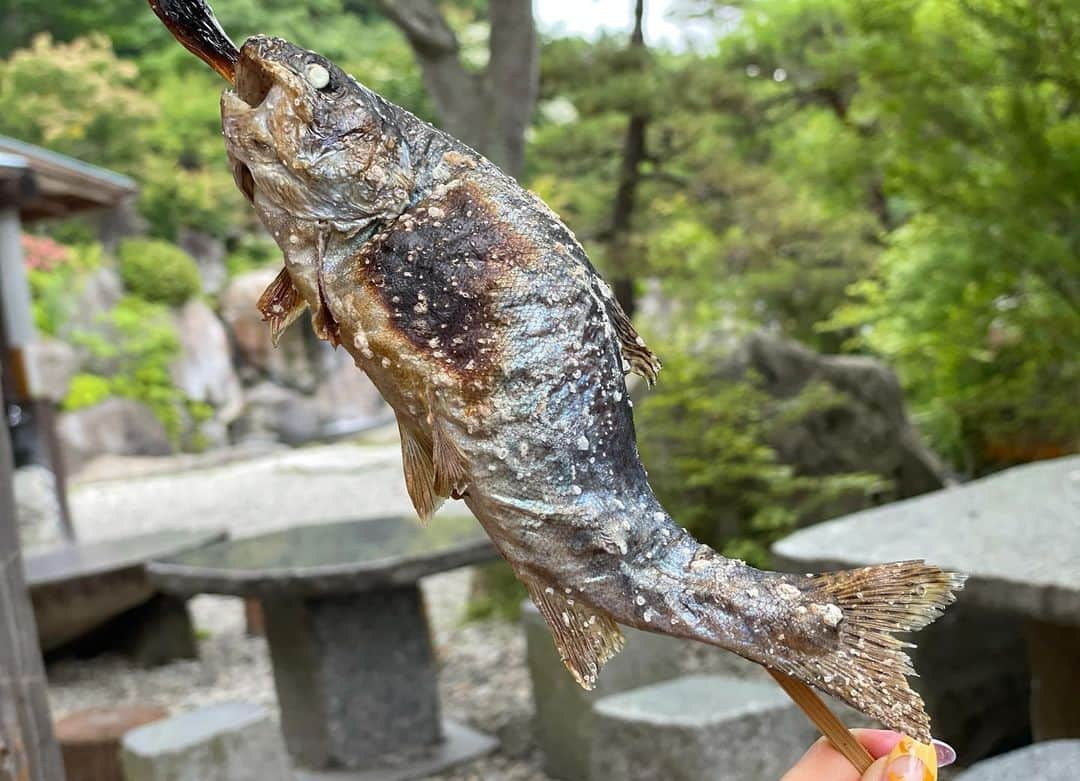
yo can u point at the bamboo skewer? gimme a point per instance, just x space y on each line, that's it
825 720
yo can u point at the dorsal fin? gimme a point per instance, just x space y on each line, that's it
280 304
585 638
635 352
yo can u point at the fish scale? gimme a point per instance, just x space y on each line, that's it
503 353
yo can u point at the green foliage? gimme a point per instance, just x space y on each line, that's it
705 440
52 290
132 353
86 390
157 271
495 593
77 98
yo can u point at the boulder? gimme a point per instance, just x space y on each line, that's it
300 361
346 398
51 364
1054 760
37 509
115 426
274 413
96 293
204 369
234 741
864 427
697 727
209 255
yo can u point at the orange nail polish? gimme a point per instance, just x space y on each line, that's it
912 761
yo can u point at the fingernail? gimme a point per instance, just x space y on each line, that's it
912 761
946 754
907 768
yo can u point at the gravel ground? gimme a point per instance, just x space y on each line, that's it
484 681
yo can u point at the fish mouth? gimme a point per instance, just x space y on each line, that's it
255 75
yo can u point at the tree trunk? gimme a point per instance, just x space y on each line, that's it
491 110
620 246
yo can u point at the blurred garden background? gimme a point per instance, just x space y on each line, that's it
849 228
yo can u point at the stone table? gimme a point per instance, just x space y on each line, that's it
1016 534
348 636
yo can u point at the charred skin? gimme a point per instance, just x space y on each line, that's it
480 319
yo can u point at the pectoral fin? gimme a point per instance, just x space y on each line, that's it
585 637
280 304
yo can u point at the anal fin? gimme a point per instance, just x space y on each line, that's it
585 637
280 304
419 473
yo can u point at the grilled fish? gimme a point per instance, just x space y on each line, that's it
503 353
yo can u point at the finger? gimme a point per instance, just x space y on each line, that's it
823 761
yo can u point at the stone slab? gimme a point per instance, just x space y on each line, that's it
564 711
698 727
355 676
81 560
323 559
234 741
460 744
1054 760
1015 533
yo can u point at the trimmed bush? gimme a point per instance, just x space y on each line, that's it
158 271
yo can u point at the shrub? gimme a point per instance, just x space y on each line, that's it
87 390
132 353
158 271
705 443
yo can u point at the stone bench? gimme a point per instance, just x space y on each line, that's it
1054 760
90 739
235 741
564 711
96 595
698 727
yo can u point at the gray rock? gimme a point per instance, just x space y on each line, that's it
209 255
51 364
698 727
36 507
230 742
300 361
564 711
347 399
204 369
1054 760
120 222
275 413
865 430
115 426
95 295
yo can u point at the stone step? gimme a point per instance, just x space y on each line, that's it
1054 760
696 728
235 741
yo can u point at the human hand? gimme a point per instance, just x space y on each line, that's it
824 763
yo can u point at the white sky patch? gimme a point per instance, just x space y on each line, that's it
590 18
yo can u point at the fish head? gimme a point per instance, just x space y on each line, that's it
306 139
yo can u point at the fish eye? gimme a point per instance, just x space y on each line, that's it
317 75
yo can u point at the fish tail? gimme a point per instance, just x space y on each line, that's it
843 637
